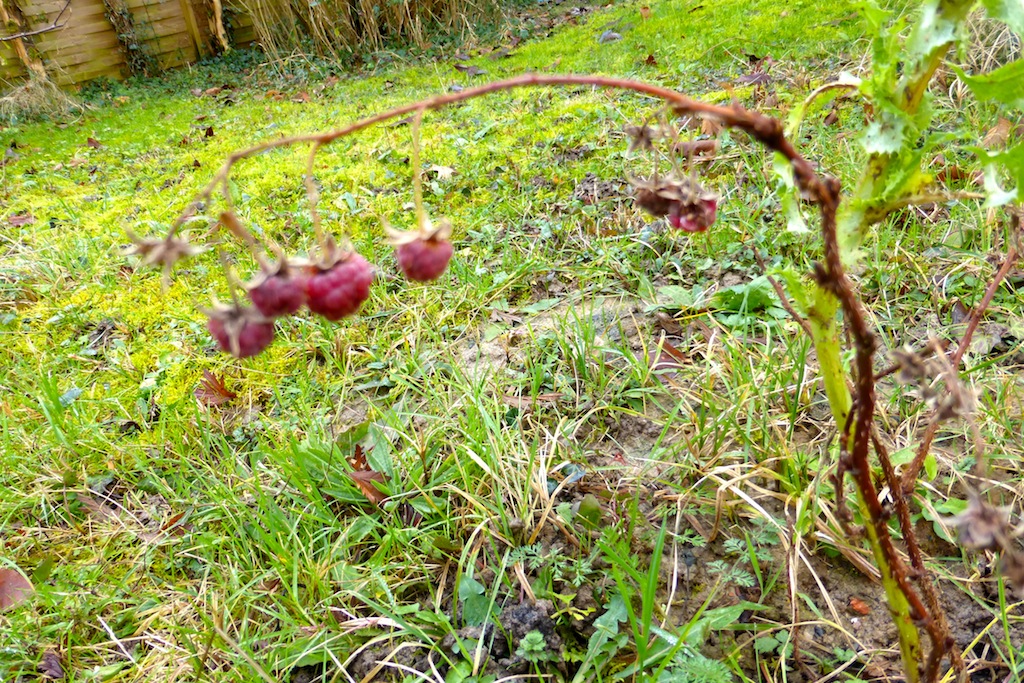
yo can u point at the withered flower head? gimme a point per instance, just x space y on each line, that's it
165 251
982 526
688 206
642 137
912 367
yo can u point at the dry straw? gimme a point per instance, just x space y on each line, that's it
332 28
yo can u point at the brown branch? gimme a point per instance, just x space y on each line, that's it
782 296
52 27
766 130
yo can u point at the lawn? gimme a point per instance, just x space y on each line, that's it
604 450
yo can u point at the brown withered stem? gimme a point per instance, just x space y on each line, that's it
821 190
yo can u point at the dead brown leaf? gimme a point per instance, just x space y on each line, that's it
470 69
364 477
94 143
645 12
999 134
651 61
302 98
14 588
711 127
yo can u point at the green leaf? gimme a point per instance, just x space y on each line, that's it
476 606
884 135
1010 12
1004 85
934 27
756 295
675 297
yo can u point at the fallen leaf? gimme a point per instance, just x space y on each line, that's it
94 143
645 12
651 61
711 127
470 69
50 667
959 313
609 37
302 97
208 133
364 477
832 118
215 90
20 219
998 135
14 588
96 507
860 607
212 391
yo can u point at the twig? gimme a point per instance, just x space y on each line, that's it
52 27
782 296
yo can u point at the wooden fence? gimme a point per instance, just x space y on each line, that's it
76 41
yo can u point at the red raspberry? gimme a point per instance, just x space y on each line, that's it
424 259
240 331
696 215
341 289
277 294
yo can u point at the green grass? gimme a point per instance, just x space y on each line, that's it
171 540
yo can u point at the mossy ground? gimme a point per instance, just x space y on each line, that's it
171 539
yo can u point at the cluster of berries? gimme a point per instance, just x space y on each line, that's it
334 288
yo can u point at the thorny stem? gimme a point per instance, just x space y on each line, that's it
907 608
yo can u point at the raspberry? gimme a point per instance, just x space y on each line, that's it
242 332
339 290
424 259
277 294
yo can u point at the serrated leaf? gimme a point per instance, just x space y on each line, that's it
933 29
1010 12
1004 85
884 135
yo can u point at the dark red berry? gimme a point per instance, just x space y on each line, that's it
240 331
686 204
341 289
279 294
424 259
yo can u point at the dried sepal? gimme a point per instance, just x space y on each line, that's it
912 367
165 251
426 230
